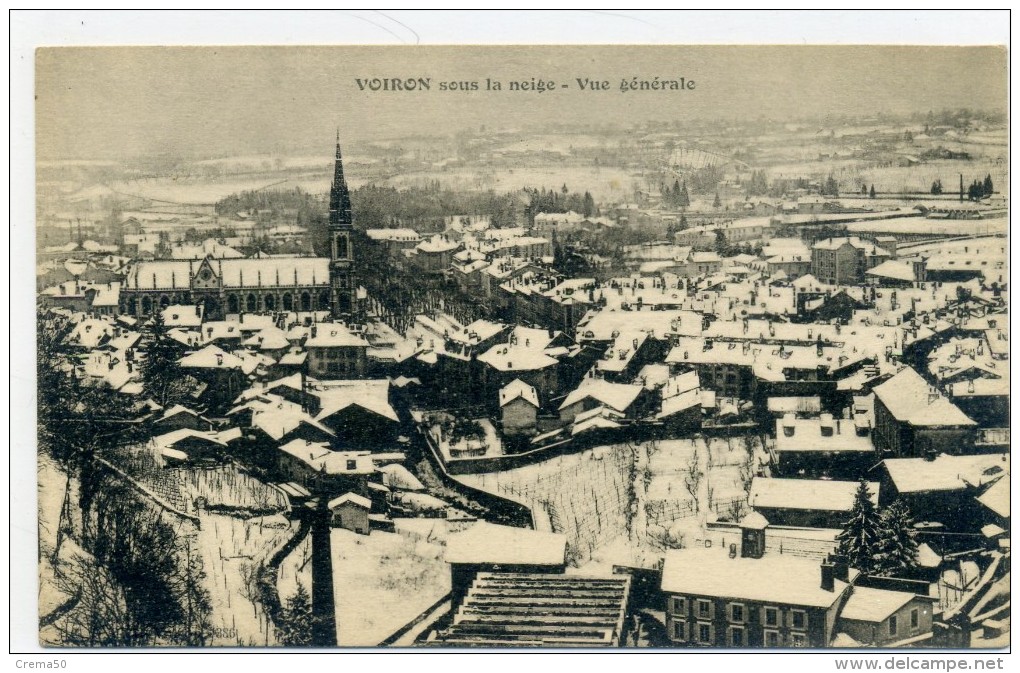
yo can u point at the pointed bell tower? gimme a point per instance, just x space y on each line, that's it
342 279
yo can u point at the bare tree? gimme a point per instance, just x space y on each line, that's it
693 477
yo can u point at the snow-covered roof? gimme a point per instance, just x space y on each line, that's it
682 402
780 579
518 357
895 269
182 316
505 545
353 498
996 498
371 395
618 396
515 389
333 335
910 398
399 477
211 357
867 604
807 435
277 420
945 473
807 494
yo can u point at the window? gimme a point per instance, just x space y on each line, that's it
680 631
704 609
771 617
706 633
737 612
737 636
678 605
352 464
798 640
915 618
772 639
893 626
798 619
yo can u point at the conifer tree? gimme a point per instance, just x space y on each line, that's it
295 628
684 199
860 540
162 375
898 548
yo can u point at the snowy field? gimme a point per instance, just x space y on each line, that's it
380 581
231 549
618 503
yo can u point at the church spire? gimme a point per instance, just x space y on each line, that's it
339 195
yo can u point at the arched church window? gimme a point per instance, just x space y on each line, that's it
323 300
270 302
341 247
253 302
146 305
306 301
232 303
288 302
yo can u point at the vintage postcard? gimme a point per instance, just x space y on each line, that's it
534 346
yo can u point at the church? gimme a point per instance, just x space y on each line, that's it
232 286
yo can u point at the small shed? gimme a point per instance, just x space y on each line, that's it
350 511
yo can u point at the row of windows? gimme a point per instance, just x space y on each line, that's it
737 613
703 633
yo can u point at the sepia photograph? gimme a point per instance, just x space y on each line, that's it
519 346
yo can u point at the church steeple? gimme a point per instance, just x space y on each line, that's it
339 195
342 274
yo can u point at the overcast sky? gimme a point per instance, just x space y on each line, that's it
100 103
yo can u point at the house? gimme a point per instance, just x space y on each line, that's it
682 399
488 547
625 399
823 446
518 403
350 511
187 445
901 273
359 412
944 488
913 419
335 352
716 599
222 372
806 503
394 240
435 255
277 421
180 417
883 618
844 261
314 464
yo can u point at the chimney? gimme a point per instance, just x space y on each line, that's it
828 575
219 359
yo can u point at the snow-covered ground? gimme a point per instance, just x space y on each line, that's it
623 503
380 581
231 547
